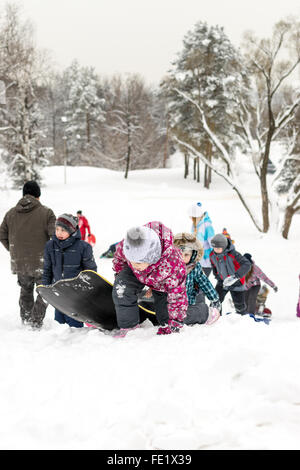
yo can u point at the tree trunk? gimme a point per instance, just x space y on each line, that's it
53 132
128 152
26 139
166 150
88 127
208 151
264 203
186 165
264 166
198 170
263 179
287 221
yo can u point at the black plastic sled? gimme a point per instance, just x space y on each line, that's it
88 298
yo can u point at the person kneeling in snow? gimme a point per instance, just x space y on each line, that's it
229 268
197 283
147 257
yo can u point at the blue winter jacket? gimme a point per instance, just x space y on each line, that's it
205 233
64 259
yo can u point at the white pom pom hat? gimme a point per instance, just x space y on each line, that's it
196 210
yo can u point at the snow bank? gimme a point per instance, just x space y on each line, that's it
233 385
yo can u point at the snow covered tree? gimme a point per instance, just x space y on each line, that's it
132 136
260 121
286 181
271 63
210 71
20 67
84 108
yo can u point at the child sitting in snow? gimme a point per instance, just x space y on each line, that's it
253 284
65 256
147 257
230 269
197 283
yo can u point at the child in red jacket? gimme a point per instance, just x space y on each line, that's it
83 225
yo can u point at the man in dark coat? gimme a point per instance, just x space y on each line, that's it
24 232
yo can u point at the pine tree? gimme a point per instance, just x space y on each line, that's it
210 71
84 108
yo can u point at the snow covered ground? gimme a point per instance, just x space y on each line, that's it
233 385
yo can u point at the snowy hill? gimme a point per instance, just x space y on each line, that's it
233 385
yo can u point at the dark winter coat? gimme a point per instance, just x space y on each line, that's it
64 259
24 232
228 263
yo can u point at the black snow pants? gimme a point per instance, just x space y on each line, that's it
125 294
31 311
238 298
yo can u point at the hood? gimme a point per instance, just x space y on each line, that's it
229 247
27 203
190 241
165 235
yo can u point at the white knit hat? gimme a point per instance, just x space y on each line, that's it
142 245
196 210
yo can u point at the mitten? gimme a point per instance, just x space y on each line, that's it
164 330
228 281
173 327
215 304
275 288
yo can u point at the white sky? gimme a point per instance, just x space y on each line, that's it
141 36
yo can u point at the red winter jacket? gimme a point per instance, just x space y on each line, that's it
83 226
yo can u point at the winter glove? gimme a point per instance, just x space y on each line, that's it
148 293
164 330
173 327
215 304
228 281
275 288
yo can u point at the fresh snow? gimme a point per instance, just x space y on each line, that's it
232 385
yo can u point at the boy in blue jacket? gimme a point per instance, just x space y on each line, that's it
65 256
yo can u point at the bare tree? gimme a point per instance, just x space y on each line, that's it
272 62
227 171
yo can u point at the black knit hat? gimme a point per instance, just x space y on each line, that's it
249 257
32 188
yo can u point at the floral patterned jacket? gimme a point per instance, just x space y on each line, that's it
167 275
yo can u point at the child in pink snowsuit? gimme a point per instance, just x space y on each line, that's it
147 257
